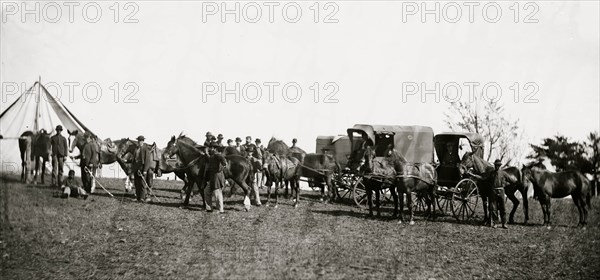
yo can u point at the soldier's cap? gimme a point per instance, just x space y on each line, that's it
257 140
294 140
220 136
141 138
497 162
208 134
238 139
59 128
248 138
71 172
229 140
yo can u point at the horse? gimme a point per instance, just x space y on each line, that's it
26 150
281 170
119 151
550 185
515 183
37 145
362 161
238 168
126 151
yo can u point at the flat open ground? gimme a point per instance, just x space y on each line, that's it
105 238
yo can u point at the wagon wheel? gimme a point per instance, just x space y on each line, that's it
359 194
444 203
345 182
418 202
464 200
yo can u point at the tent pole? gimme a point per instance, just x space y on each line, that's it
37 104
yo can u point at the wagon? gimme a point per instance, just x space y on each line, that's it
339 147
415 143
456 195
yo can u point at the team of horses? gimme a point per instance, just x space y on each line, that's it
284 166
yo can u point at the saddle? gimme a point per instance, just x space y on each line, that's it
107 146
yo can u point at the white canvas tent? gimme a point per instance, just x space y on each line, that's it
34 110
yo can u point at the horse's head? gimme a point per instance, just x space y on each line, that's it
76 140
527 171
172 148
472 161
125 147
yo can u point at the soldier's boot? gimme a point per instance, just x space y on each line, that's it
219 195
208 198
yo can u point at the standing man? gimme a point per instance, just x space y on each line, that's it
209 138
90 157
220 140
60 151
230 143
216 164
238 141
450 156
497 196
246 147
294 141
496 179
142 169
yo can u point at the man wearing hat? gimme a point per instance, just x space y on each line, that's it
209 138
60 151
90 159
497 179
220 140
246 146
238 141
294 141
216 165
142 169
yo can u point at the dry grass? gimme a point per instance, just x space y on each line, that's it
105 238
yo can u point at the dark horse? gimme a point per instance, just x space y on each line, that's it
32 147
548 185
238 168
126 150
515 183
318 168
120 151
363 161
282 170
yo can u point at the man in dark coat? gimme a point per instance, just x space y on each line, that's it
60 151
498 179
142 169
90 158
216 165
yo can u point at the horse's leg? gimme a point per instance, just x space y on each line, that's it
401 205
523 191
269 192
432 199
395 197
378 202
577 201
370 200
278 184
486 216
511 195
246 190
409 204
296 186
331 190
188 191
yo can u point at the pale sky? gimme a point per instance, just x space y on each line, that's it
170 53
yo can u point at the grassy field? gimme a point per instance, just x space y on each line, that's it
44 236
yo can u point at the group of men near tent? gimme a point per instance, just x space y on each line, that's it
90 159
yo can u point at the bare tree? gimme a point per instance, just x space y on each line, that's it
502 136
